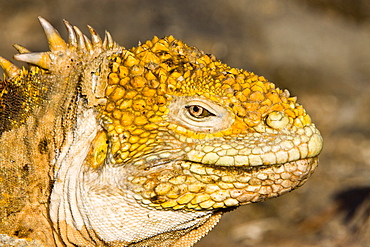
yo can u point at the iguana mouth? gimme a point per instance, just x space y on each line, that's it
247 169
211 169
199 186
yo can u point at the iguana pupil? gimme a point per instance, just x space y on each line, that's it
198 111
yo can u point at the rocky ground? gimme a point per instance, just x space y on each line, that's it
318 49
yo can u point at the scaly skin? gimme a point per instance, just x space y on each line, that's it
146 146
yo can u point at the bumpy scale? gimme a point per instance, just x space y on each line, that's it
145 146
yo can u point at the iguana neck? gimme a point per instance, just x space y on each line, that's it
78 193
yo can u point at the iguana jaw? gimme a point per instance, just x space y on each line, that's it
195 186
216 173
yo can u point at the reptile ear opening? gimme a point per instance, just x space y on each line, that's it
98 151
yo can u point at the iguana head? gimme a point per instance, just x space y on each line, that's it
200 135
162 129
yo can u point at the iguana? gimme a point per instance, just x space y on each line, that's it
106 146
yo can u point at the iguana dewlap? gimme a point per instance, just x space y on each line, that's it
149 146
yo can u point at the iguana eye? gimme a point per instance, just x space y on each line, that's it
198 111
199 114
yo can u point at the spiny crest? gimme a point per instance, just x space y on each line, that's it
22 90
77 42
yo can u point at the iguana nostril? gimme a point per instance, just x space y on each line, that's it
277 120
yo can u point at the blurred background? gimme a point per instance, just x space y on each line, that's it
318 49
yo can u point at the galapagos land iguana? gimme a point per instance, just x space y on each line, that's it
106 146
